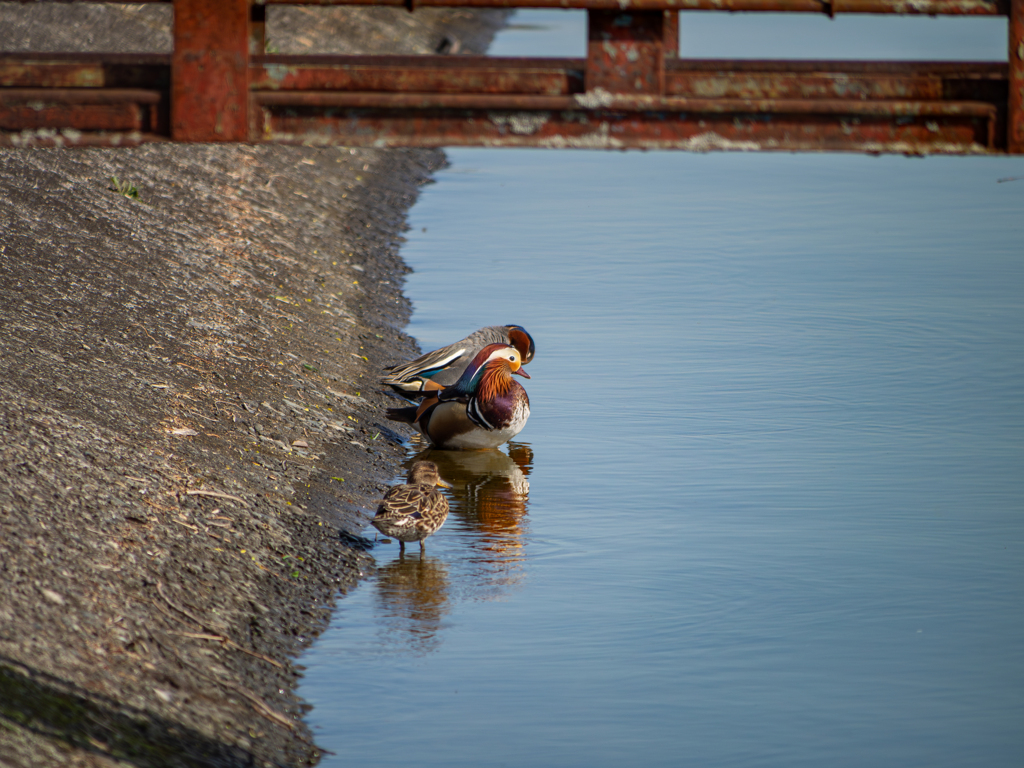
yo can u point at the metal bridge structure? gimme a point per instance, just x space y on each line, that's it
632 90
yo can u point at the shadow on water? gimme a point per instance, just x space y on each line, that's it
482 559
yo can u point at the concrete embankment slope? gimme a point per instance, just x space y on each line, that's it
190 420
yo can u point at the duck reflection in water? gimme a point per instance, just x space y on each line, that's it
490 494
412 597
488 498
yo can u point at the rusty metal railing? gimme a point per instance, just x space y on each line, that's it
631 91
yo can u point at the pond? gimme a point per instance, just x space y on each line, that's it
769 506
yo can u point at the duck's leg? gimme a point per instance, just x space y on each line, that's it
422 546
401 547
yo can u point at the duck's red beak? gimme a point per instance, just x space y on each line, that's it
522 373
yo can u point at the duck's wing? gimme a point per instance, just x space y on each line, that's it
403 501
443 366
435 508
411 376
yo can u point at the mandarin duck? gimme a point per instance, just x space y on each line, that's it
414 510
443 367
483 409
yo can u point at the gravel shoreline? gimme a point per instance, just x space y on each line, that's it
191 429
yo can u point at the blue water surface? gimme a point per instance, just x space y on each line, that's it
769 507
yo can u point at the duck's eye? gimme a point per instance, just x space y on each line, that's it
512 358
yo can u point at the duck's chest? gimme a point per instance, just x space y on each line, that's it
507 412
476 423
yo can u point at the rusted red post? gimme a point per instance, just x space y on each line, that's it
626 52
210 71
671 34
1015 105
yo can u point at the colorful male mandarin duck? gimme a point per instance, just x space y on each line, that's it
483 409
415 510
443 367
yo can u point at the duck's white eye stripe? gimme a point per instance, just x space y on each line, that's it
498 354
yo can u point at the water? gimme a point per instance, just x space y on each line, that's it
769 507
779 36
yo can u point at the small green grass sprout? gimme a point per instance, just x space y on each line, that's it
125 188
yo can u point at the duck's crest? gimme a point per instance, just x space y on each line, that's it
523 341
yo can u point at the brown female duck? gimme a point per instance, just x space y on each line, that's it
414 510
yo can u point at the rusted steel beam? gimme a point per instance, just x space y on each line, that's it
401 119
837 80
481 74
124 117
607 129
210 71
821 94
694 78
441 74
638 103
1015 100
349 99
910 7
920 7
79 116
979 69
84 70
631 91
626 52
75 96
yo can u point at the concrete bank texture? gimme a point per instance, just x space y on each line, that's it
191 430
